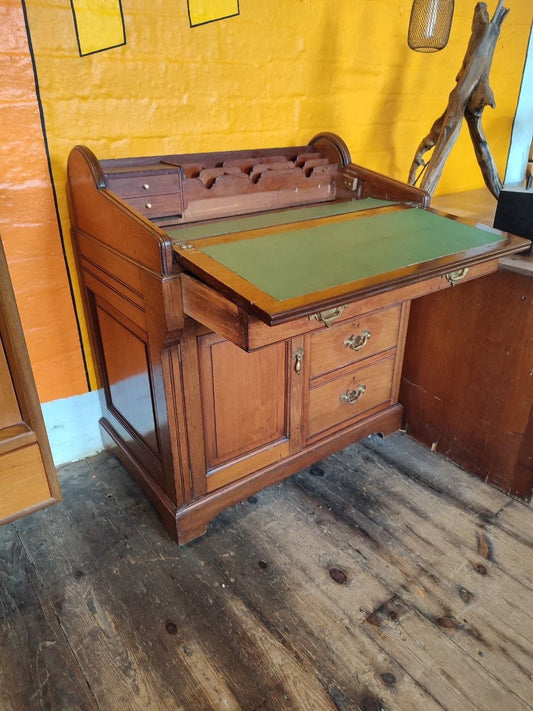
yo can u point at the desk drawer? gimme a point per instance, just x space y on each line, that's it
153 206
337 402
152 194
145 185
352 341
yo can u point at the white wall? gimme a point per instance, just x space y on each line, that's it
523 124
72 427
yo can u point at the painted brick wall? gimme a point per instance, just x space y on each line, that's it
277 73
28 221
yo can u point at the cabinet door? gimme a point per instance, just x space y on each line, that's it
246 407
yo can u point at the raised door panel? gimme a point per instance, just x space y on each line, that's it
129 392
245 409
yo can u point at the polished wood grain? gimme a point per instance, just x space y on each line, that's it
93 207
352 341
9 412
349 397
23 481
28 478
258 301
471 397
16 436
243 396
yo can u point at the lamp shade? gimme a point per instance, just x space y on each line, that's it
430 25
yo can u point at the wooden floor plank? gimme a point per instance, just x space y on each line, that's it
452 483
382 578
107 614
385 503
215 548
319 616
16 573
479 621
512 547
67 537
456 680
515 519
105 608
102 609
499 633
185 568
238 643
37 667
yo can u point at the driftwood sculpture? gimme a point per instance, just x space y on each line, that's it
467 100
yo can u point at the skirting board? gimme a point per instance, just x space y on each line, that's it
72 427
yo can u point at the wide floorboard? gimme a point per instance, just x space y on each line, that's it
383 578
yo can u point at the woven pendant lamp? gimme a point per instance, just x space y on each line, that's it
430 25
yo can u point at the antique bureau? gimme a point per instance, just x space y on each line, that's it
248 310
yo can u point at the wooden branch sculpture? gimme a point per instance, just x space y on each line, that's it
468 99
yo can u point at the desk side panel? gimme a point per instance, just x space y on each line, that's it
134 314
467 387
98 212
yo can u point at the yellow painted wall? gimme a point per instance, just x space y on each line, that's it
28 221
274 75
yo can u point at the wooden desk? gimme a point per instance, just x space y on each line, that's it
467 385
241 335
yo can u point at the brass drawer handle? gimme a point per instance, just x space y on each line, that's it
352 396
454 277
298 357
327 317
355 343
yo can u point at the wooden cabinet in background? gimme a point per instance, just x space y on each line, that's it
27 475
472 398
467 385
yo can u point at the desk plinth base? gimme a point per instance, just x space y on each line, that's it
185 523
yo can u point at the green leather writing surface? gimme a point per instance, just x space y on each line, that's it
294 263
270 219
